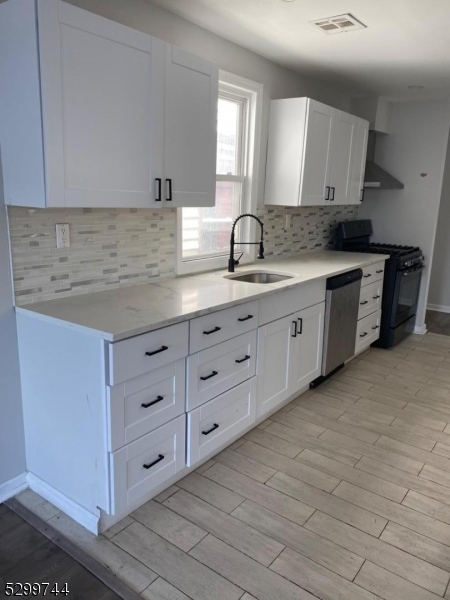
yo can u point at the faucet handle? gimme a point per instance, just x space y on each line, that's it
261 250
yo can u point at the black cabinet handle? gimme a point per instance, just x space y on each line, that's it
158 181
213 374
364 302
368 275
328 192
300 324
241 360
212 330
363 191
213 428
376 327
148 404
155 462
363 334
380 271
246 318
333 189
169 195
162 349
294 323
376 297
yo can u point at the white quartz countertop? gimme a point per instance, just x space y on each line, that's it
120 313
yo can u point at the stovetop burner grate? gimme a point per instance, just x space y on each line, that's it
391 249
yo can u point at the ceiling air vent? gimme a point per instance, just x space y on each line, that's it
338 24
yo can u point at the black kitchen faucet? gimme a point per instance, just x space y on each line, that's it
232 262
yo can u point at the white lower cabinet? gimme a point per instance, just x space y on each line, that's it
368 331
140 467
210 426
274 363
216 370
289 356
307 347
144 403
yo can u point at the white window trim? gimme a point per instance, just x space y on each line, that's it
254 92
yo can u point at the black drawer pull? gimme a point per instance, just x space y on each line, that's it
213 374
158 399
246 318
376 297
380 271
364 302
327 197
212 330
294 323
158 181
363 334
155 462
300 324
169 194
162 349
213 428
368 275
241 360
376 327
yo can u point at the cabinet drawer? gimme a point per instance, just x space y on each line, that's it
220 368
210 426
144 403
222 325
146 352
143 465
373 273
368 330
370 298
287 302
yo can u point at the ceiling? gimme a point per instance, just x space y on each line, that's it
406 42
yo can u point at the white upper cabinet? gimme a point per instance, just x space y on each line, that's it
359 162
190 124
314 154
341 157
111 134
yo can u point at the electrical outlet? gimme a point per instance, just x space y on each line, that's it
62 235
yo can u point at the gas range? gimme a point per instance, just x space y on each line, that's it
405 256
401 279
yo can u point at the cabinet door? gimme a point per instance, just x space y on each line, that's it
342 157
307 347
274 363
359 161
317 155
102 102
190 129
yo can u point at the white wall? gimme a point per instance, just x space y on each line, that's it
12 443
439 295
278 82
417 145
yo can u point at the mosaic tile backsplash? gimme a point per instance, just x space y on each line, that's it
120 247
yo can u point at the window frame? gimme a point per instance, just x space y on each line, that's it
236 88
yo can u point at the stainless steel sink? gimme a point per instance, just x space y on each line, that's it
259 277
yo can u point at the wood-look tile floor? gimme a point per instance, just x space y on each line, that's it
344 494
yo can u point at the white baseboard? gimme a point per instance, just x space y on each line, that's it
420 329
68 506
439 308
13 487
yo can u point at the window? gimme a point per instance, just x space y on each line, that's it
205 232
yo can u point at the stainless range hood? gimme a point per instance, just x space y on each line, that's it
375 176
377 112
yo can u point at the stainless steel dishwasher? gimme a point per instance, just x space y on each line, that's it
341 319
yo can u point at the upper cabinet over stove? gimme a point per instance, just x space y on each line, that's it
96 114
316 154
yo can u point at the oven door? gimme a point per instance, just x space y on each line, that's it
406 295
